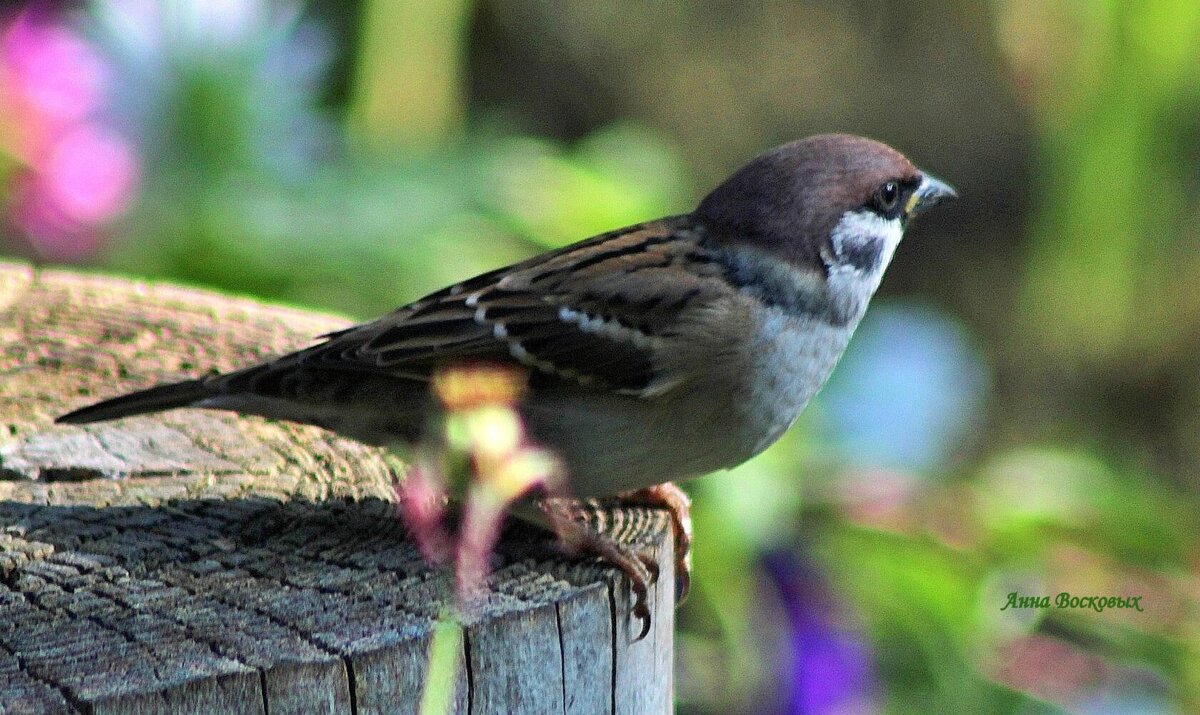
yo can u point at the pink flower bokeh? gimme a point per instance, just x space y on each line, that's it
70 174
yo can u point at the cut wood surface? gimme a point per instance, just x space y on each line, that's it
200 562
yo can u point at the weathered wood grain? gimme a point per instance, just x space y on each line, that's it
199 562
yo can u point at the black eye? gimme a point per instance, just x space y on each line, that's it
887 197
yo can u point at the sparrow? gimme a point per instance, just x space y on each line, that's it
657 352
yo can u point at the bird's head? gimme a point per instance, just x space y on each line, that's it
831 203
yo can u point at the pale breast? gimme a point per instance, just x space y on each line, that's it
792 358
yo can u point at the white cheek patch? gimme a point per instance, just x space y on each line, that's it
866 241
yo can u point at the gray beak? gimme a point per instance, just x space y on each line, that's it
930 192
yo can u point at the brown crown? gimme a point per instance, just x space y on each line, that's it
788 200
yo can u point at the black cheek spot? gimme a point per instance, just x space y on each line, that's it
865 256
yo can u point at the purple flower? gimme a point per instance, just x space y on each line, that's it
826 667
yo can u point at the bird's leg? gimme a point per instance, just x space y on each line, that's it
578 523
679 505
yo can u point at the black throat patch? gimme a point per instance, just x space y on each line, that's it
864 256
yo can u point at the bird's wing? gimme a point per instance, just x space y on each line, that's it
593 313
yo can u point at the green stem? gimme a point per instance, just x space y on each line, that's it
445 654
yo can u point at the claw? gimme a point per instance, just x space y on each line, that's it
639 567
651 565
679 505
642 611
641 591
683 584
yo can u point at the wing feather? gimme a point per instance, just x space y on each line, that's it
591 314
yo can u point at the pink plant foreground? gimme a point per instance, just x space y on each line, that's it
487 458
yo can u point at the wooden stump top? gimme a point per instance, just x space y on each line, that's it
196 561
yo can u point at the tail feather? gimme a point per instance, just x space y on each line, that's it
155 399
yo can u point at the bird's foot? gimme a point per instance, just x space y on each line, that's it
572 519
679 505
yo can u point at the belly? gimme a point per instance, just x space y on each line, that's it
725 415
615 443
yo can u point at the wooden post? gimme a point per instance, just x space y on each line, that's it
200 562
